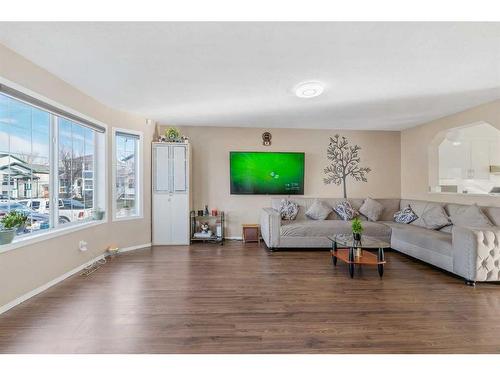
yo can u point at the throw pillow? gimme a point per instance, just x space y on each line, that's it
435 218
318 210
345 210
288 209
472 216
405 216
371 209
447 229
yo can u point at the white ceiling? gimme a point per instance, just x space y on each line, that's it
377 75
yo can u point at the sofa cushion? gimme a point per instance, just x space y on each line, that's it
371 209
419 207
318 210
493 214
324 228
434 240
345 210
447 229
405 216
435 218
288 209
472 216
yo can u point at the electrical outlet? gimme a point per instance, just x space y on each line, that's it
82 245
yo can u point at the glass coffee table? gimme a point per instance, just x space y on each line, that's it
351 251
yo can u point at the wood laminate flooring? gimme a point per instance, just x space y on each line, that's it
240 298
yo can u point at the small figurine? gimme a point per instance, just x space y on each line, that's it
204 227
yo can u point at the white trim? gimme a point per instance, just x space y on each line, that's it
127 218
239 238
102 173
57 280
46 286
38 96
139 175
49 233
136 247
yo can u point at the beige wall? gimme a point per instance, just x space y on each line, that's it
211 146
24 269
415 156
398 161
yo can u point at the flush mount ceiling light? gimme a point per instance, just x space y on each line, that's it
309 89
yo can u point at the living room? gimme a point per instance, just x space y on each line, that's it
249 187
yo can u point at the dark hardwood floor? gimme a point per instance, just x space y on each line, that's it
242 299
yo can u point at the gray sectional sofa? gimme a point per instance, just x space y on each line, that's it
472 253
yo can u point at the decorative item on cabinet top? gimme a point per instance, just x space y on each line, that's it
173 135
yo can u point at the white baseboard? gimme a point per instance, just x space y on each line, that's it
137 247
57 280
238 238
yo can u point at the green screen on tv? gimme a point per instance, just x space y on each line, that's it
267 172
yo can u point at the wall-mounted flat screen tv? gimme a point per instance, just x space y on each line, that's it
267 172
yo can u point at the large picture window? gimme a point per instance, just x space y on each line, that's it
47 167
127 193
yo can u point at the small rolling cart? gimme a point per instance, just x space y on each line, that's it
207 228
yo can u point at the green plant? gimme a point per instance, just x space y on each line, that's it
356 225
172 134
13 219
98 213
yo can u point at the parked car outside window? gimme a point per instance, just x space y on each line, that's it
70 210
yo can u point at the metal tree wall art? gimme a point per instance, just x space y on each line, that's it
345 162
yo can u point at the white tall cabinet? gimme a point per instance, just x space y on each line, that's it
171 198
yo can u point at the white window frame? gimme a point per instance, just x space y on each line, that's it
139 175
101 155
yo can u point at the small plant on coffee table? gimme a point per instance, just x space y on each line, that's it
357 228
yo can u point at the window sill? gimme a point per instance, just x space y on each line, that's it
39 237
127 218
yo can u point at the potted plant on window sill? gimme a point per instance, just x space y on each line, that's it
98 214
10 224
357 229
